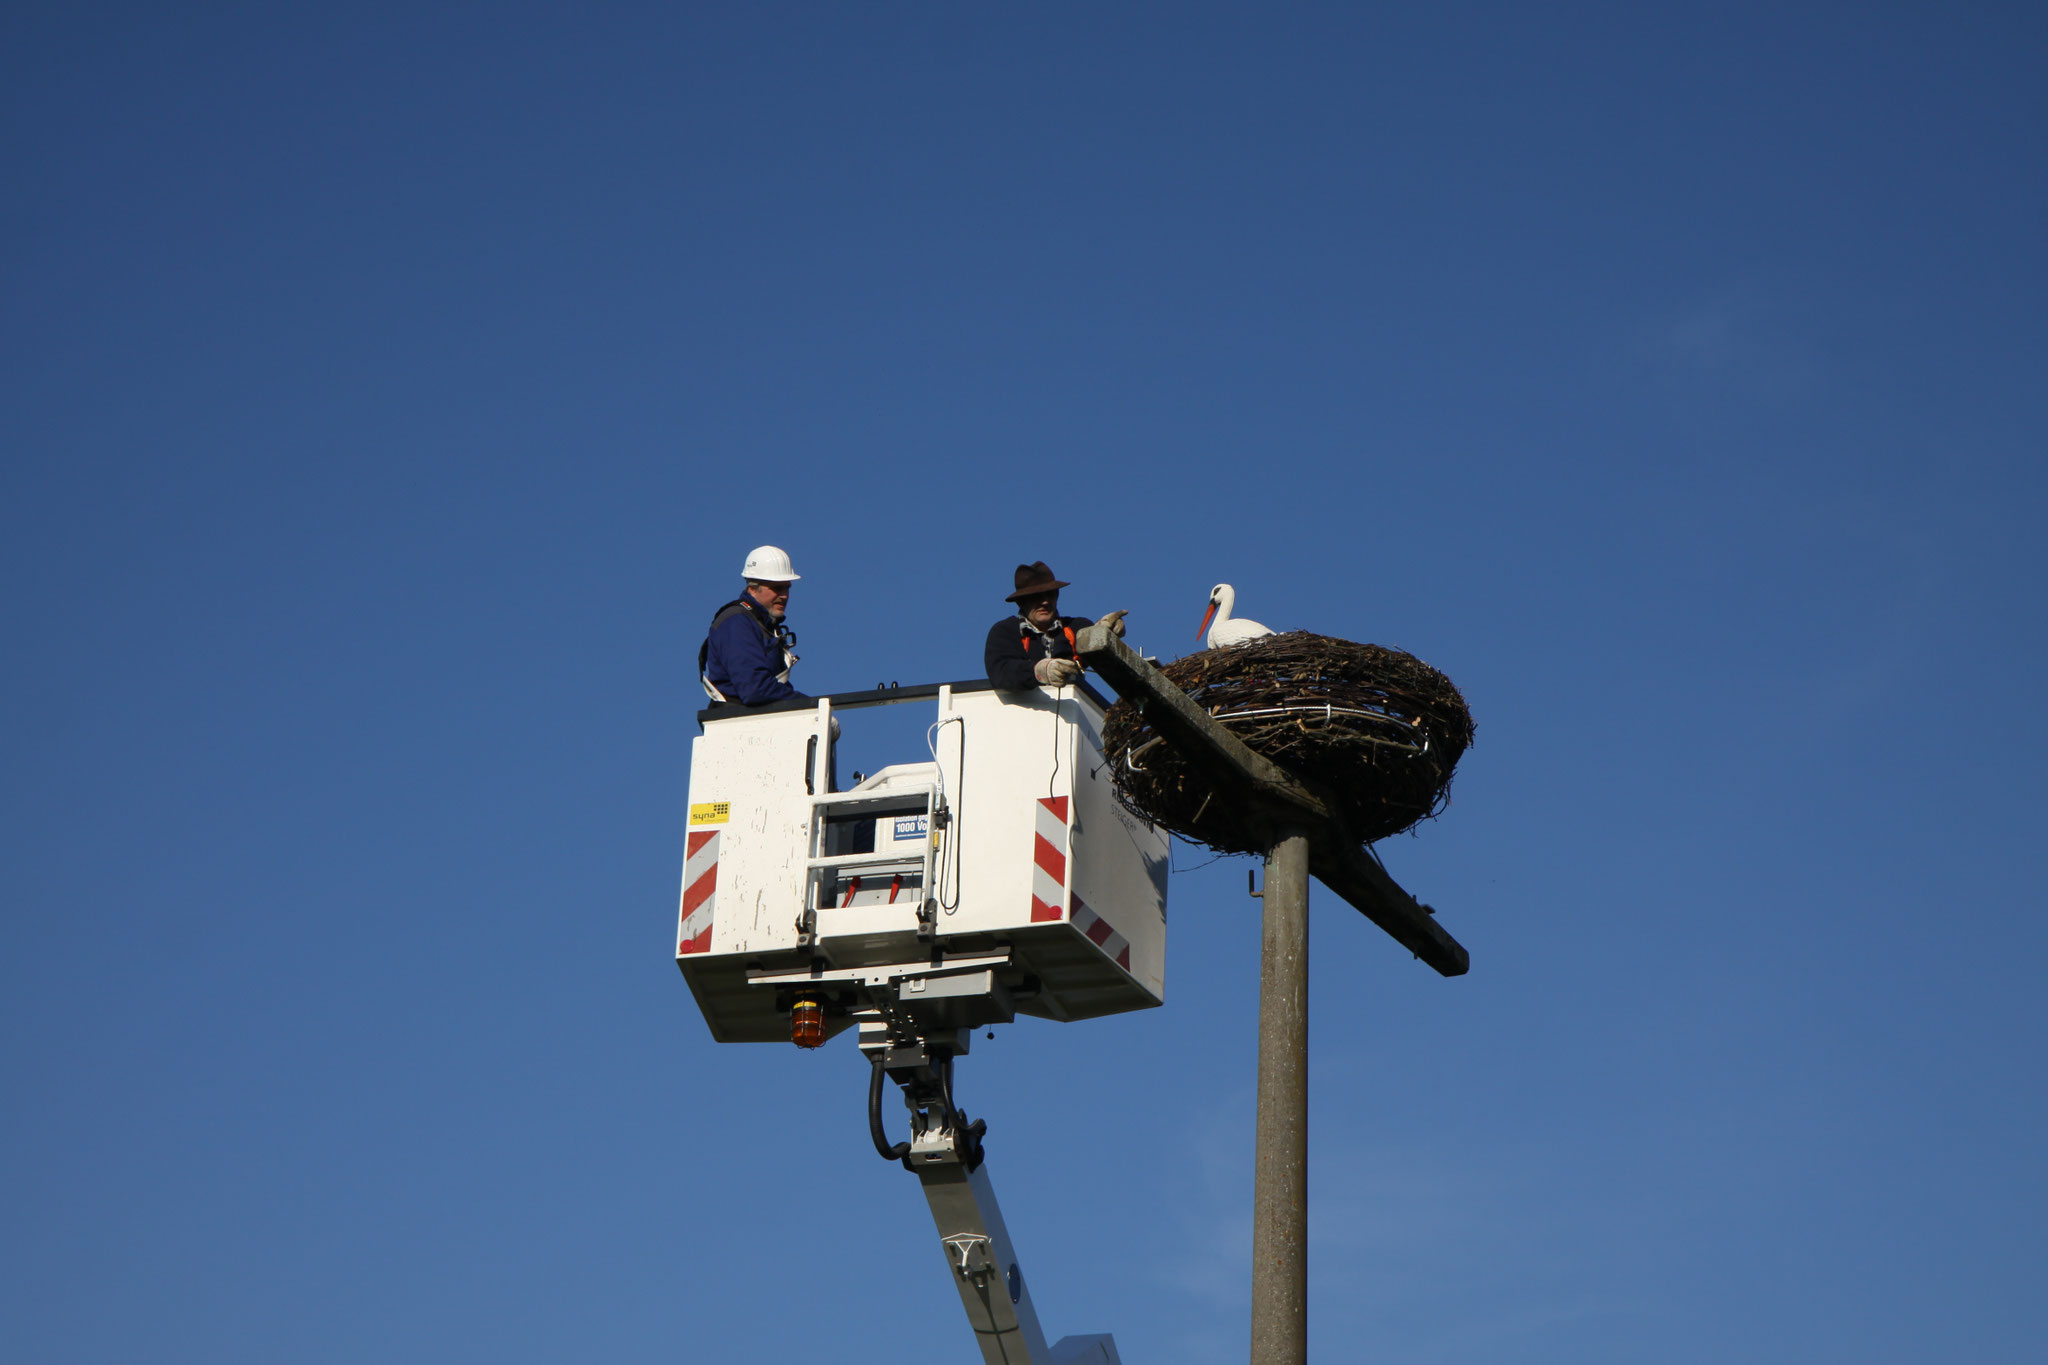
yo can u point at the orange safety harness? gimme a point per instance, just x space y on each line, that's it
1073 649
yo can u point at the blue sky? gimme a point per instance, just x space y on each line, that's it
391 395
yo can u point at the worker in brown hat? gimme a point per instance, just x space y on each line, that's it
1036 646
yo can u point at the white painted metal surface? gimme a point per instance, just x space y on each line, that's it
1003 841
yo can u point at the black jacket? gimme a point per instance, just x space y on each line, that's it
1014 647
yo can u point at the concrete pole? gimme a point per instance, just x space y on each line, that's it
1280 1164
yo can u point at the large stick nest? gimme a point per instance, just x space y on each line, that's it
1376 732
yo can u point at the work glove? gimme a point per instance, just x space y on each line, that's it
1056 672
1115 621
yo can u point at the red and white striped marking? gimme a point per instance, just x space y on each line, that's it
700 892
1101 935
1049 860
1049 883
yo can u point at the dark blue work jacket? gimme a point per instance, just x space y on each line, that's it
746 656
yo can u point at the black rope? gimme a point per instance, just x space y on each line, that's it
1054 776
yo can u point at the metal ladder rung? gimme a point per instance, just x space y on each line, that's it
904 795
866 860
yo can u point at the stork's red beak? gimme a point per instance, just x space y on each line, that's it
1203 629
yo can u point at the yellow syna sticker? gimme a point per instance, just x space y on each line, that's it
710 812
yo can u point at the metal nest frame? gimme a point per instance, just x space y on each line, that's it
1376 731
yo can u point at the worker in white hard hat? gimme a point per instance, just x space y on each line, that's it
1036 646
749 650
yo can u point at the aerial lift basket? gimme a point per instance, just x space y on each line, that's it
1000 852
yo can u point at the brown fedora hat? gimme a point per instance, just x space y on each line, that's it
1033 579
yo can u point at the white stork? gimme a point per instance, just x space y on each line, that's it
1227 631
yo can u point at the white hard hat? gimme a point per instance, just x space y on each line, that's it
769 564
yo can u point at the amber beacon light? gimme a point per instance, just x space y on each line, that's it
807 1022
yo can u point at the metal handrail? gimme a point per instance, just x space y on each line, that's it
874 696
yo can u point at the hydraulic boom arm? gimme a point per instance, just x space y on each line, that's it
945 1153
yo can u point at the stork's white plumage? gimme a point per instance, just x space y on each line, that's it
1227 631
